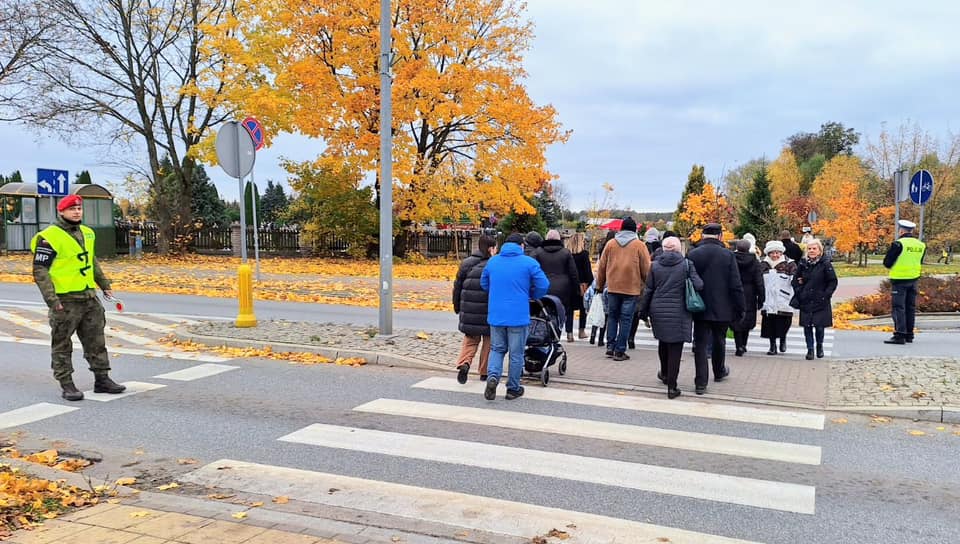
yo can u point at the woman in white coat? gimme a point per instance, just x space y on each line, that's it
776 314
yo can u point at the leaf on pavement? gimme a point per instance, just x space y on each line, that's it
282 499
126 481
918 394
140 514
171 485
423 336
880 419
187 461
886 387
256 504
220 496
839 420
917 433
239 515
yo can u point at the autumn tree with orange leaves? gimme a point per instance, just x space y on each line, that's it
468 139
854 227
705 207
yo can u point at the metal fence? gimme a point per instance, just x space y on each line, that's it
286 240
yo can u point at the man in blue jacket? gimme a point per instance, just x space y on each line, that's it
512 279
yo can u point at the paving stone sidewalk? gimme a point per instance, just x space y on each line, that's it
890 383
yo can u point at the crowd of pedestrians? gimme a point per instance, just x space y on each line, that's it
697 298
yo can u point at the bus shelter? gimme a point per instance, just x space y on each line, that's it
26 213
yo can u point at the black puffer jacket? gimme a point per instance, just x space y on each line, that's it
813 285
557 263
584 274
753 290
664 301
722 291
469 299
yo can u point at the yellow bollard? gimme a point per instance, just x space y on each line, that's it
245 293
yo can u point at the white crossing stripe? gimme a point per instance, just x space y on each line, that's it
107 331
141 323
458 510
671 481
132 389
728 412
34 412
647 436
181 355
196 372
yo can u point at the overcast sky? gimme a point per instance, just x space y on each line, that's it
650 88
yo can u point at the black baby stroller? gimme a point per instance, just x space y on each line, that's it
543 348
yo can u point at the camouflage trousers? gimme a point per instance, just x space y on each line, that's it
87 319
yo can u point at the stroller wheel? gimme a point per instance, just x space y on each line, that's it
545 376
562 365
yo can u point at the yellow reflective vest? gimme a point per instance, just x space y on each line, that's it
72 268
907 266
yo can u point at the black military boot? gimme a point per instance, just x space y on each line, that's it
103 384
70 392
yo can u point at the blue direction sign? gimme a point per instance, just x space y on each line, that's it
52 182
921 187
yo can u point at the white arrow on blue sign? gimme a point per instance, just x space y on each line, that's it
921 187
52 182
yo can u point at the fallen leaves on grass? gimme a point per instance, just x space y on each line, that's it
844 316
25 501
325 281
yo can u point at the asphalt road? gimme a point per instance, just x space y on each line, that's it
875 482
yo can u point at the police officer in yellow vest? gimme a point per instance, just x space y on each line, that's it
904 259
67 273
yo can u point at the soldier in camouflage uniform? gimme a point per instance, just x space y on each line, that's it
67 273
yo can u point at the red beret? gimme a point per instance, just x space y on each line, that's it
72 200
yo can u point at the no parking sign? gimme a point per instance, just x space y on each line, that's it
256 131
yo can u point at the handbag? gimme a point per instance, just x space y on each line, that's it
692 298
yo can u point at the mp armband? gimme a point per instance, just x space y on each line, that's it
44 256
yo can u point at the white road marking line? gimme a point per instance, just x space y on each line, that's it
132 389
787 497
179 355
728 412
108 330
633 434
450 508
34 412
149 325
196 372
26 323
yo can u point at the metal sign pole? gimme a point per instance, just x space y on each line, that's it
897 182
243 200
256 226
920 237
386 174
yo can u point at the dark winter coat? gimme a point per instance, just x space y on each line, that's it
558 264
722 291
813 285
584 274
469 299
792 250
753 291
663 299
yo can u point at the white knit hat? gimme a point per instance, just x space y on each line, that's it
774 245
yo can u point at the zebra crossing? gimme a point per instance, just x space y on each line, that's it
406 439
796 344
29 325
